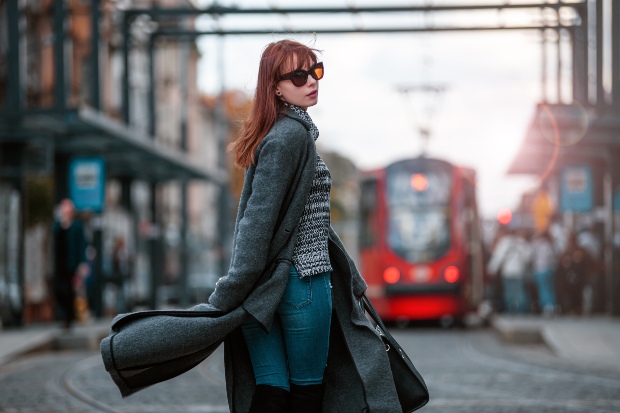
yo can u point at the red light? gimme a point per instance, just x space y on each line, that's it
391 275
419 182
451 274
504 216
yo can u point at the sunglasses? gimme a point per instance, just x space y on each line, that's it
300 77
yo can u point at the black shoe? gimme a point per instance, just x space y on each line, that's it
269 399
307 399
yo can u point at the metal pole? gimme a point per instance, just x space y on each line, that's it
152 89
559 65
608 196
184 89
154 247
580 58
558 45
94 51
615 53
404 29
14 92
600 91
543 71
21 249
221 136
125 81
60 93
98 279
184 299
222 10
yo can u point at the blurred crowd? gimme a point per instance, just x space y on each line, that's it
547 271
73 278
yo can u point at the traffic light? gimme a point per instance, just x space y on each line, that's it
504 216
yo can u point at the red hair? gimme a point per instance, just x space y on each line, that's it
277 59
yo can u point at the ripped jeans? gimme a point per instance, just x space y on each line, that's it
295 349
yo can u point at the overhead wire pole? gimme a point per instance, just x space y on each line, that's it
424 131
191 33
223 10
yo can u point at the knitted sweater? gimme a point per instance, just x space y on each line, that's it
311 255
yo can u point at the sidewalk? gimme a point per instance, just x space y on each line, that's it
593 339
17 342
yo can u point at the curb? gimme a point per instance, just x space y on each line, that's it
519 331
15 345
40 342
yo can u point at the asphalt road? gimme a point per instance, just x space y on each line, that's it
466 371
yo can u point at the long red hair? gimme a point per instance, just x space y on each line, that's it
277 59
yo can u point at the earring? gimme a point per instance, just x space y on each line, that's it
279 93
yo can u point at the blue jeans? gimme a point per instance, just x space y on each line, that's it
295 349
515 296
546 288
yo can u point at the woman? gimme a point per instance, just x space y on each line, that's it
286 258
544 262
510 261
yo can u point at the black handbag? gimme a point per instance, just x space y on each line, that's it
410 387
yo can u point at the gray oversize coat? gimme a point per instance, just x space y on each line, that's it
149 347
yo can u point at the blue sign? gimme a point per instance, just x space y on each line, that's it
576 193
617 200
87 183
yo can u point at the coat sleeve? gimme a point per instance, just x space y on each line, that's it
277 163
357 281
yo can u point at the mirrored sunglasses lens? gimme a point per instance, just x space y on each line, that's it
318 73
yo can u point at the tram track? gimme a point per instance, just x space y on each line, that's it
69 381
66 381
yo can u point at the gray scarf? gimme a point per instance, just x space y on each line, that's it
314 131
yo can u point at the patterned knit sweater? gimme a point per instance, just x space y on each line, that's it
311 255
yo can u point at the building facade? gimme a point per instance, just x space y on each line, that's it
82 81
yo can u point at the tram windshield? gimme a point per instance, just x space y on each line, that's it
418 209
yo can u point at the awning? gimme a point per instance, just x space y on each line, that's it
567 132
86 132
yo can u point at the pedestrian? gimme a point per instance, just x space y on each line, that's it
594 288
70 264
576 269
510 260
494 286
283 229
544 263
121 274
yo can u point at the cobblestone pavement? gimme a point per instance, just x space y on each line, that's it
466 371
475 372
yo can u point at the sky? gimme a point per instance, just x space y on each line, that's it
490 80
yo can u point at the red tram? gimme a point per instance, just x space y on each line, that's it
420 240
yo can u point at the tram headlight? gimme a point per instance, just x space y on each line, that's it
391 275
451 274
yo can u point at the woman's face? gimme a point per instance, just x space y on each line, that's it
302 96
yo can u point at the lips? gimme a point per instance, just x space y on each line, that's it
313 94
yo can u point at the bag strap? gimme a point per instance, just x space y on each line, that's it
370 309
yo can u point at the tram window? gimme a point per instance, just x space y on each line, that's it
368 209
419 210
